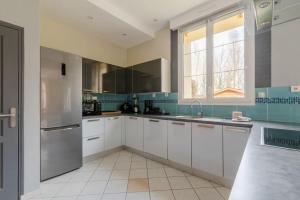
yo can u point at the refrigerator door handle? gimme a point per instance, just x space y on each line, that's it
64 128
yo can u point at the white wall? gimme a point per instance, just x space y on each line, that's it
64 37
159 47
285 54
26 14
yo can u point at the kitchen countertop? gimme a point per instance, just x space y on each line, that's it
267 173
183 118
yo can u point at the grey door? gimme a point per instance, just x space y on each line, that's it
10 63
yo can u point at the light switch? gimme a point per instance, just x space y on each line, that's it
295 88
153 95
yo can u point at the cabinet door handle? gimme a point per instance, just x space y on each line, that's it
133 118
152 120
178 123
93 120
237 129
206 126
93 138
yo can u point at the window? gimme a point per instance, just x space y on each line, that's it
216 59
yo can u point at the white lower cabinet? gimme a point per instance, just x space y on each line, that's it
92 145
234 140
134 132
207 149
180 142
156 137
92 127
92 136
113 132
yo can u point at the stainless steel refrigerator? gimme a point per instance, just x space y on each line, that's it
61 112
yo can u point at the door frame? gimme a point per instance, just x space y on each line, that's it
21 103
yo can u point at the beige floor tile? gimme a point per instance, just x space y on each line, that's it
186 194
152 164
138 173
199 182
89 197
71 189
208 194
138 165
225 192
138 196
94 188
137 158
64 198
120 196
159 184
101 175
116 186
48 190
156 173
119 174
122 165
162 195
173 172
138 185
106 165
179 183
81 176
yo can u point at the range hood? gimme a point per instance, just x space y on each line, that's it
263 13
274 12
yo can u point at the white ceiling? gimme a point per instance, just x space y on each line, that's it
113 18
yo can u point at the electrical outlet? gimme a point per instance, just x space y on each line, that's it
166 94
261 95
153 95
295 88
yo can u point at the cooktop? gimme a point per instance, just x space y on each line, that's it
283 138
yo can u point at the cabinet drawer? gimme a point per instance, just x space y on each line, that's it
92 145
92 127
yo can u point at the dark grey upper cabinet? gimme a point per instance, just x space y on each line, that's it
124 80
98 77
152 76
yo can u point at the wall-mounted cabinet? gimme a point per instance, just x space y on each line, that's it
99 77
152 76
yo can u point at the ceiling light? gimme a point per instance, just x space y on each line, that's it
155 20
124 34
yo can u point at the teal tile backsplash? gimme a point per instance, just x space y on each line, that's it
278 105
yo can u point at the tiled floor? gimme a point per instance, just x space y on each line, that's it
127 176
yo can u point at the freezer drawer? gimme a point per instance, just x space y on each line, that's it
61 151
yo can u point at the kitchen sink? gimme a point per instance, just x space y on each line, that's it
288 139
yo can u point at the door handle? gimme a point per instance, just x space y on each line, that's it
12 117
206 126
152 120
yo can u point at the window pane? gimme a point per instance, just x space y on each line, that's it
229 68
195 87
195 63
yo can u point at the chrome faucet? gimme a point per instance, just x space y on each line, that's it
200 111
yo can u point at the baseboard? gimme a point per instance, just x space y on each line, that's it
216 179
29 195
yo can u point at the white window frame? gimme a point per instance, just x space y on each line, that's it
249 53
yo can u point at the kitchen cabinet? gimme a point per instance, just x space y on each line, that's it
207 148
123 130
234 141
180 142
134 132
92 145
152 76
92 136
113 132
123 80
92 127
156 137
